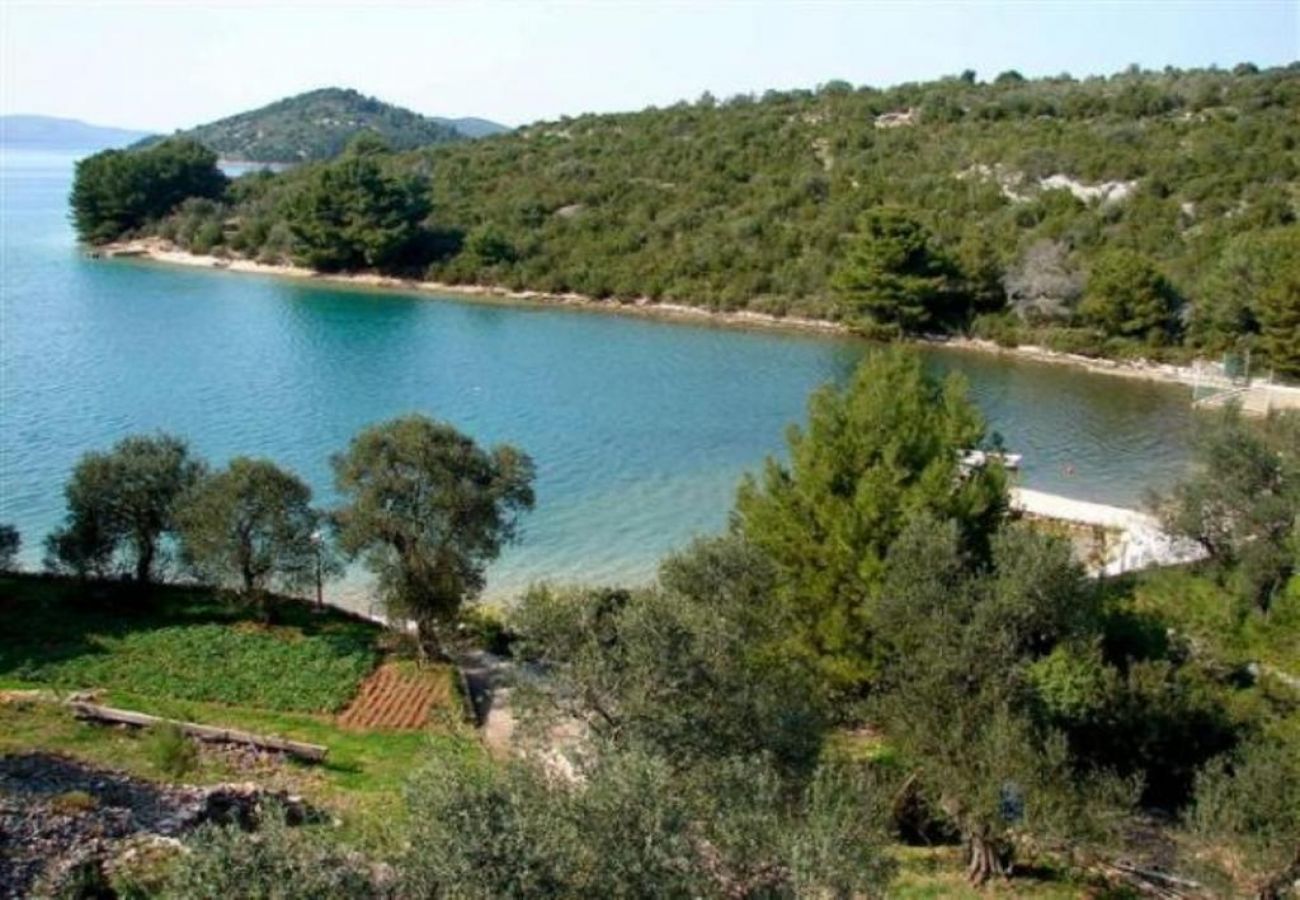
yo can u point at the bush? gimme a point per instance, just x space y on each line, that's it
171 751
1078 341
275 862
1003 329
487 628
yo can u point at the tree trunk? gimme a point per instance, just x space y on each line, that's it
144 561
426 639
987 858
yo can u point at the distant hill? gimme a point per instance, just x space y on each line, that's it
472 127
54 133
317 125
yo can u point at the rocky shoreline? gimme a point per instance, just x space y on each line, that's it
158 250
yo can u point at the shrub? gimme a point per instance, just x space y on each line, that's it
1002 329
276 861
171 751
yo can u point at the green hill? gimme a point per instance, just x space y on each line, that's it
316 125
1144 213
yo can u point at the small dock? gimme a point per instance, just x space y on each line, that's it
1120 540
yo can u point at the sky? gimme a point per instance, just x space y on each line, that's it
157 65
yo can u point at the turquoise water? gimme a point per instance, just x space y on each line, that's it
640 429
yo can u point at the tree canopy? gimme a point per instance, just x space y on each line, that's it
116 192
352 214
251 526
892 275
428 509
873 456
121 507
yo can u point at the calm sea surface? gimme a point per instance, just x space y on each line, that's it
640 429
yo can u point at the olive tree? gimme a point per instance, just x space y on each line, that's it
428 509
957 641
683 668
252 526
121 507
633 825
1242 500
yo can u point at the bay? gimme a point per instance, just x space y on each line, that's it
640 429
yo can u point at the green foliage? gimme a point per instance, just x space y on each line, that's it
1242 503
892 275
634 827
183 645
1126 296
961 644
684 669
116 192
251 526
121 506
171 751
488 627
314 126
10 543
1251 266
352 214
872 458
428 509
1279 310
488 246
1247 814
278 862
752 203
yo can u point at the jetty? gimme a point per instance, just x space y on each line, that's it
1110 540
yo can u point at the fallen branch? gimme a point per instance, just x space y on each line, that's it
309 752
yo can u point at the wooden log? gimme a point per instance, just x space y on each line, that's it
310 752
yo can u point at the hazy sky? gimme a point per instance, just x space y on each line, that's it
162 65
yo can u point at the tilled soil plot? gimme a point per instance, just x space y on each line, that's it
396 698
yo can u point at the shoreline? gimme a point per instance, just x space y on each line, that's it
1256 398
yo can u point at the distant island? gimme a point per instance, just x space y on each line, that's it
1147 215
54 133
317 125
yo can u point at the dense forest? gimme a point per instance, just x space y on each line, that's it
315 125
1145 213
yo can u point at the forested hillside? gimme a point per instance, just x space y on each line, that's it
1147 213
316 125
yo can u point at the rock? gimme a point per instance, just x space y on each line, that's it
48 842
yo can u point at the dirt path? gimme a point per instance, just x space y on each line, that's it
488 677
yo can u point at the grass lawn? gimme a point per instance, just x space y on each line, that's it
183 643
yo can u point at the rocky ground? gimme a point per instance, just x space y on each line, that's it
62 820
